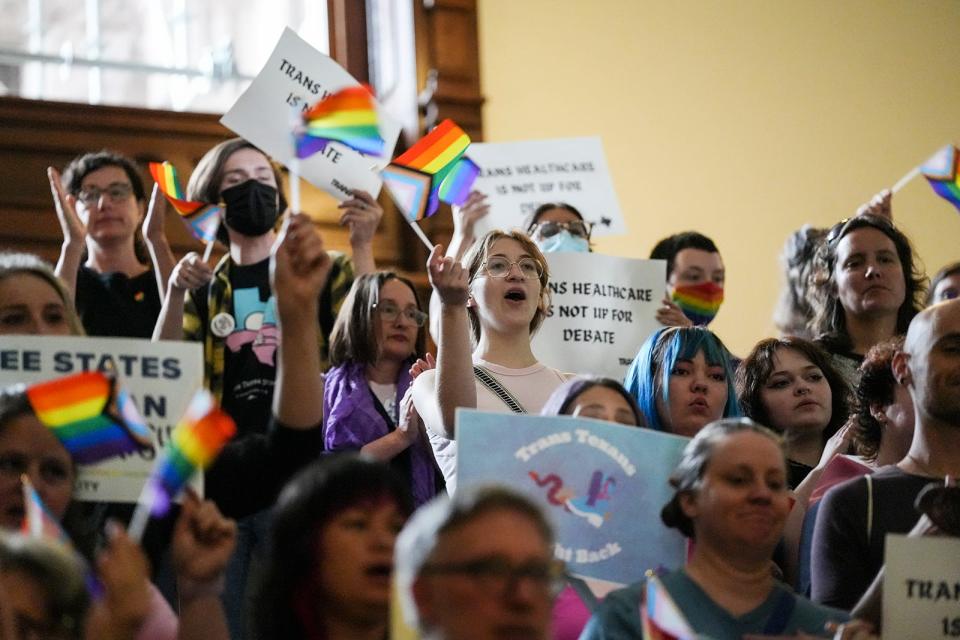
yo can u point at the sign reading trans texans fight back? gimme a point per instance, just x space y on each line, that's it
601 484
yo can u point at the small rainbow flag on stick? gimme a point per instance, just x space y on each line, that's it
661 618
91 415
195 443
438 156
941 171
348 116
202 219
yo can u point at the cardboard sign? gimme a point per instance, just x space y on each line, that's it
921 587
602 309
295 78
160 377
602 484
518 177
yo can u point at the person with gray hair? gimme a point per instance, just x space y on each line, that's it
478 566
732 499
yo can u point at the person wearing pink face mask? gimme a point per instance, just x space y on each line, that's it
695 277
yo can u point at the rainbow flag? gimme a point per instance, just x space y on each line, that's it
202 219
348 116
439 154
91 415
661 618
38 522
941 171
196 441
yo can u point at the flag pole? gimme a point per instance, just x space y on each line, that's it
902 182
420 234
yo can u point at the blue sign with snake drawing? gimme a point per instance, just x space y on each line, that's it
601 484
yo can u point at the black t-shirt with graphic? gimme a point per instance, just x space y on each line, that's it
250 356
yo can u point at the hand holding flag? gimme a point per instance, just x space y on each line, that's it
202 219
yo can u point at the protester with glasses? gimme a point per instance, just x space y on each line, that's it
498 298
867 289
378 335
104 258
557 226
478 565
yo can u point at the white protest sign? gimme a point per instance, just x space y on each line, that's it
297 76
518 177
602 309
921 587
160 377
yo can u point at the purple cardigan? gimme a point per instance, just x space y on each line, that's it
350 420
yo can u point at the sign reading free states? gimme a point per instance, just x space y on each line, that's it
160 377
602 485
921 587
518 177
295 77
602 309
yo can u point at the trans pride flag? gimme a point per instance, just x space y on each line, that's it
91 415
662 619
433 169
38 522
348 116
941 171
202 219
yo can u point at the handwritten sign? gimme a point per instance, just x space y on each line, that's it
294 78
602 485
160 377
602 310
518 177
921 587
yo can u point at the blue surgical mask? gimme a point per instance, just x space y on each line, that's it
564 241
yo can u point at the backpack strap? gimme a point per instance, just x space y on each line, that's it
869 508
494 385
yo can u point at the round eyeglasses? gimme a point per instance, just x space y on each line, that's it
500 267
390 312
117 192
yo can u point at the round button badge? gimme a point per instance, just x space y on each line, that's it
222 325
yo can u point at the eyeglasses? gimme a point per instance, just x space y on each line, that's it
841 229
499 267
577 228
498 575
390 312
117 192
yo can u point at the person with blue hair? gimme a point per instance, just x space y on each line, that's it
682 380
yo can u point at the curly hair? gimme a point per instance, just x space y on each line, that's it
876 389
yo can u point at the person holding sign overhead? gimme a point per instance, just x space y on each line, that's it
100 204
732 500
682 380
500 297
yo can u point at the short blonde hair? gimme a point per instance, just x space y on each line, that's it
478 254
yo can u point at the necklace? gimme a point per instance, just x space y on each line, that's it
923 468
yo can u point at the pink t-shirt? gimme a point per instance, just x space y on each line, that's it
531 386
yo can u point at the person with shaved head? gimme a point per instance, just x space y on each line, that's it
856 516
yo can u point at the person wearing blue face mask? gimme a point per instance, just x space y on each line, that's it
557 226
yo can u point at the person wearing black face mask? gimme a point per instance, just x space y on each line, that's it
231 310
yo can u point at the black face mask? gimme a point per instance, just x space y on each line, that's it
251 208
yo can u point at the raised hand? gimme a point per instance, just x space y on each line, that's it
361 215
203 540
191 272
879 205
448 278
299 266
124 571
153 224
670 315
466 215
422 364
74 230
